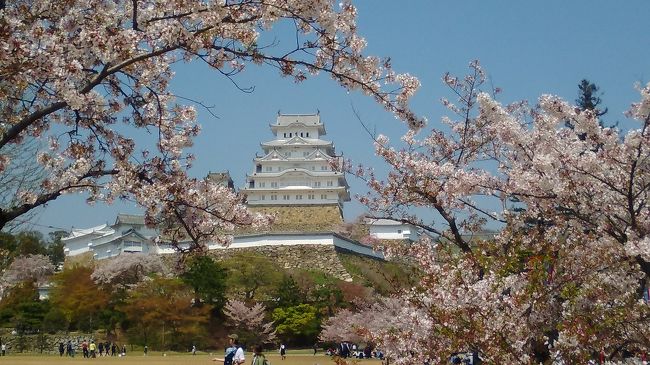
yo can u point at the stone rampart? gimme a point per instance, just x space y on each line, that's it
322 258
303 218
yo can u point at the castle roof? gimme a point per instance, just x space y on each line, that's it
101 230
129 219
297 141
291 120
274 155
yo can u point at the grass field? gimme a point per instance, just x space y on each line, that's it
156 358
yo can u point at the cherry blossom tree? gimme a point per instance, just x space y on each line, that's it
250 320
128 269
82 75
27 268
565 275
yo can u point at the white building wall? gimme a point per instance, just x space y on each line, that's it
278 240
394 232
110 241
110 245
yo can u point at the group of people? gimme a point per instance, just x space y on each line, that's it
235 353
346 350
92 349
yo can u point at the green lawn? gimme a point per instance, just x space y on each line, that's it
156 358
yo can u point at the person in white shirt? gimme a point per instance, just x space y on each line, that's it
234 353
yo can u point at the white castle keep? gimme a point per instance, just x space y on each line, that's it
298 177
297 167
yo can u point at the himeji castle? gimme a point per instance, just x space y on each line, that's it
297 178
298 167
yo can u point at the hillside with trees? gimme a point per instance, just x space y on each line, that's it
167 304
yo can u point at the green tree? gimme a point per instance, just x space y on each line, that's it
8 245
327 296
252 277
16 309
55 247
288 293
29 316
30 243
22 243
208 280
298 325
55 320
22 310
588 99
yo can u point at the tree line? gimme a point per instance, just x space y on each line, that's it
156 301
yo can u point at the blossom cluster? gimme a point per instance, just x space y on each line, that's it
35 268
250 319
561 277
85 77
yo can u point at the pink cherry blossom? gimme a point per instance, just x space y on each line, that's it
562 275
91 72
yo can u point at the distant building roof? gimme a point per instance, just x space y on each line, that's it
384 222
298 141
286 120
129 219
306 119
101 230
221 178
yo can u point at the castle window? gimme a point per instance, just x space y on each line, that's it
301 134
285 197
330 183
274 197
298 197
274 184
311 196
323 196
132 246
307 134
262 185
285 135
263 197
317 184
323 167
268 168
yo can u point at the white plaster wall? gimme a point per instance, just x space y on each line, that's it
389 232
76 246
277 240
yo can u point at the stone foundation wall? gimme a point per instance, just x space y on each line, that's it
308 218
48 343
306 257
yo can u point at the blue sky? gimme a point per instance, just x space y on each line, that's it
528 48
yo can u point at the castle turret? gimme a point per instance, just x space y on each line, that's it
297 168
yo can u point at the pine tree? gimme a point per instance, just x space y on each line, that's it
587 98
